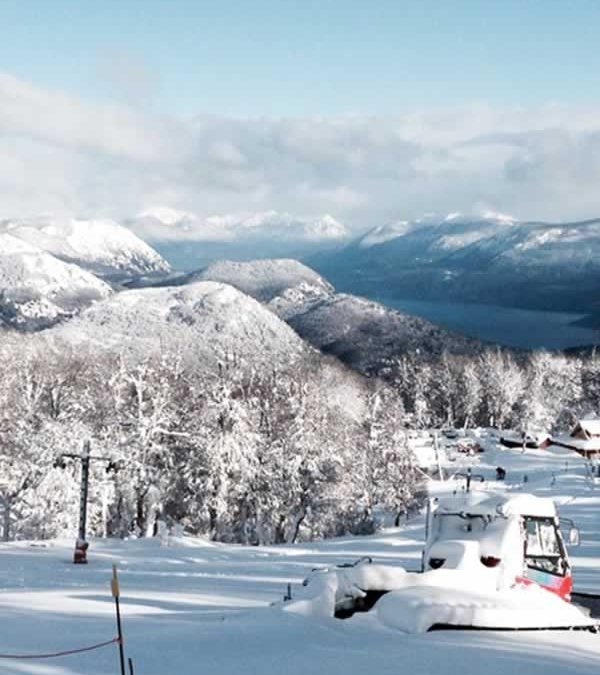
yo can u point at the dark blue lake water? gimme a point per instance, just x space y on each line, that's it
508 326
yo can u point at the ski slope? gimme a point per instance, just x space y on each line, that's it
196 607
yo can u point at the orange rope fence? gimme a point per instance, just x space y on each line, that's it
67 652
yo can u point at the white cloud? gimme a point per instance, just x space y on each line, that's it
59 153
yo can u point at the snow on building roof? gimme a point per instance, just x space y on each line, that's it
581 445
591 426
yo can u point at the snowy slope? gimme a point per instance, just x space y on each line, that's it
195 606
37 289
434 236
213 320
444 232
542 245
264 279
362 333
98 245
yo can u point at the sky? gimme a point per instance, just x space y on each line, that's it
368 111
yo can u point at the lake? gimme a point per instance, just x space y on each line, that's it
528 329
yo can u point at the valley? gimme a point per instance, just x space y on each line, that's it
434 265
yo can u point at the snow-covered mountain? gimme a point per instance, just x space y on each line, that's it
101 246
213 320
491 258
37 289
445 233
191 241
167 223
271 223
264 279
206 323
361 333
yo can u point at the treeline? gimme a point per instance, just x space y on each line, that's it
224 450
498 388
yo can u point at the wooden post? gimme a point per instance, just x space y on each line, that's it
114 586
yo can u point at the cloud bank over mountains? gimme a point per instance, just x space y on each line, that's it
63 155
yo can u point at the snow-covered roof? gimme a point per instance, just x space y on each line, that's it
590 426
581 444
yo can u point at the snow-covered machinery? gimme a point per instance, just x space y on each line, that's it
491 561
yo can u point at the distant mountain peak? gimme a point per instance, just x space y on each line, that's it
166 215
172 224
500 217
382 234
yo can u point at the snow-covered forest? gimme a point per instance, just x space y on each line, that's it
247 454
498 388
229 451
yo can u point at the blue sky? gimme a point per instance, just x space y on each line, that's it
307 58
368 111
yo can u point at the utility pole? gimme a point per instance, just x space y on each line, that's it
82 545
5 505
436 447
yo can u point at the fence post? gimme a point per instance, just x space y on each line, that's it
116 595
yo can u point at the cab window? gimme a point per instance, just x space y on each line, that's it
543 549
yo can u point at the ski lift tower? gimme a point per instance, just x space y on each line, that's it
82 545
469 477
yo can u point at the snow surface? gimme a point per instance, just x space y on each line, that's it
98 245
199 607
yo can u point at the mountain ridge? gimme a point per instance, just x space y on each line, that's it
491 260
